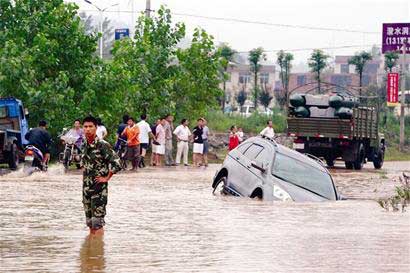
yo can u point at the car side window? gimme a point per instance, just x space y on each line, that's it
253 151
265 156
243 147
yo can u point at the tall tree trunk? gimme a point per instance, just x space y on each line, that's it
224 96
256 90
360 83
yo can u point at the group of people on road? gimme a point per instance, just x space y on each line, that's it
139 137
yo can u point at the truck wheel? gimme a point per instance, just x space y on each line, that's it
378 160
359 162
13 157
349 165
330 162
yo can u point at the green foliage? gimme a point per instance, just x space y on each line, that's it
318 62
359 60
241 97
220 122
48 60
226 54
390 60
255 57
265 98
45 57
196 84
401 198
284 60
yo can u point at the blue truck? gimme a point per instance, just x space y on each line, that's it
13 128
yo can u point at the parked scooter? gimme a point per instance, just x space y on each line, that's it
34 160
71 154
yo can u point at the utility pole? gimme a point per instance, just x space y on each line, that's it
148 8
101 11
102 33
403 93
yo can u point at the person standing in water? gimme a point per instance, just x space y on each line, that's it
100 163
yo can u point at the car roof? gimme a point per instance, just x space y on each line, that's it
288 152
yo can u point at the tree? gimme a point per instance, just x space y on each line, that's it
241 98
196 87
226 54
45 58
265 98
151 60
359 60
390 60
317 62
255 57
284 61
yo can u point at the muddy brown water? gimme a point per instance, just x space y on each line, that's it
167 220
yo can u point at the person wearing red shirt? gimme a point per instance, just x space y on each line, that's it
233 138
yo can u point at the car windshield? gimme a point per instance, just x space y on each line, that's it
304 176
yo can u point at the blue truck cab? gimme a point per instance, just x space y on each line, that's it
13 127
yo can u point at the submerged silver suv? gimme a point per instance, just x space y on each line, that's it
261 168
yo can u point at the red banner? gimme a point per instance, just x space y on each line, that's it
392 89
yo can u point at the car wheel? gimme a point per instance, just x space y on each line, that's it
330 162
220 186
257 194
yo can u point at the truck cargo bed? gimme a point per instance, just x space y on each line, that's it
363 124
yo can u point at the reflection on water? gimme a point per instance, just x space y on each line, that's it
168 221
92 254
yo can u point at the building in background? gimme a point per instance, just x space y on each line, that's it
240 78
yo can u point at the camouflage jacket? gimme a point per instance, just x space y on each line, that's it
98 159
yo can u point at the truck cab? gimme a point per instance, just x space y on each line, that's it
13 127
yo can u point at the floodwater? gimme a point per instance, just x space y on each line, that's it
168 221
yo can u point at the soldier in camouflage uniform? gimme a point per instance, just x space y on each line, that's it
99 163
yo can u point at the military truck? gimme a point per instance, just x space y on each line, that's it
336 124
13 127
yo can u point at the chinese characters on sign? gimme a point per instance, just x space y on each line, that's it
395 36
392 89
122 33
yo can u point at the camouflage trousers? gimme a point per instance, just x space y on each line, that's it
94 201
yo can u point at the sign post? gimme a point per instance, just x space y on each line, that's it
396 37
392 89
122 33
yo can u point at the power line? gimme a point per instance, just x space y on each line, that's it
254 22
274 24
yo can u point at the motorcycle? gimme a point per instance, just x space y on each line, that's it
34 160
122 153
71 153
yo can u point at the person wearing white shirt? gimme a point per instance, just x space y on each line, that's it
101 130
145 134
183 134
268 131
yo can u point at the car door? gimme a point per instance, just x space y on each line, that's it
236 166
250 177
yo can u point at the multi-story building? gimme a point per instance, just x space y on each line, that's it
240 78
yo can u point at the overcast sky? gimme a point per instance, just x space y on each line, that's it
362 15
